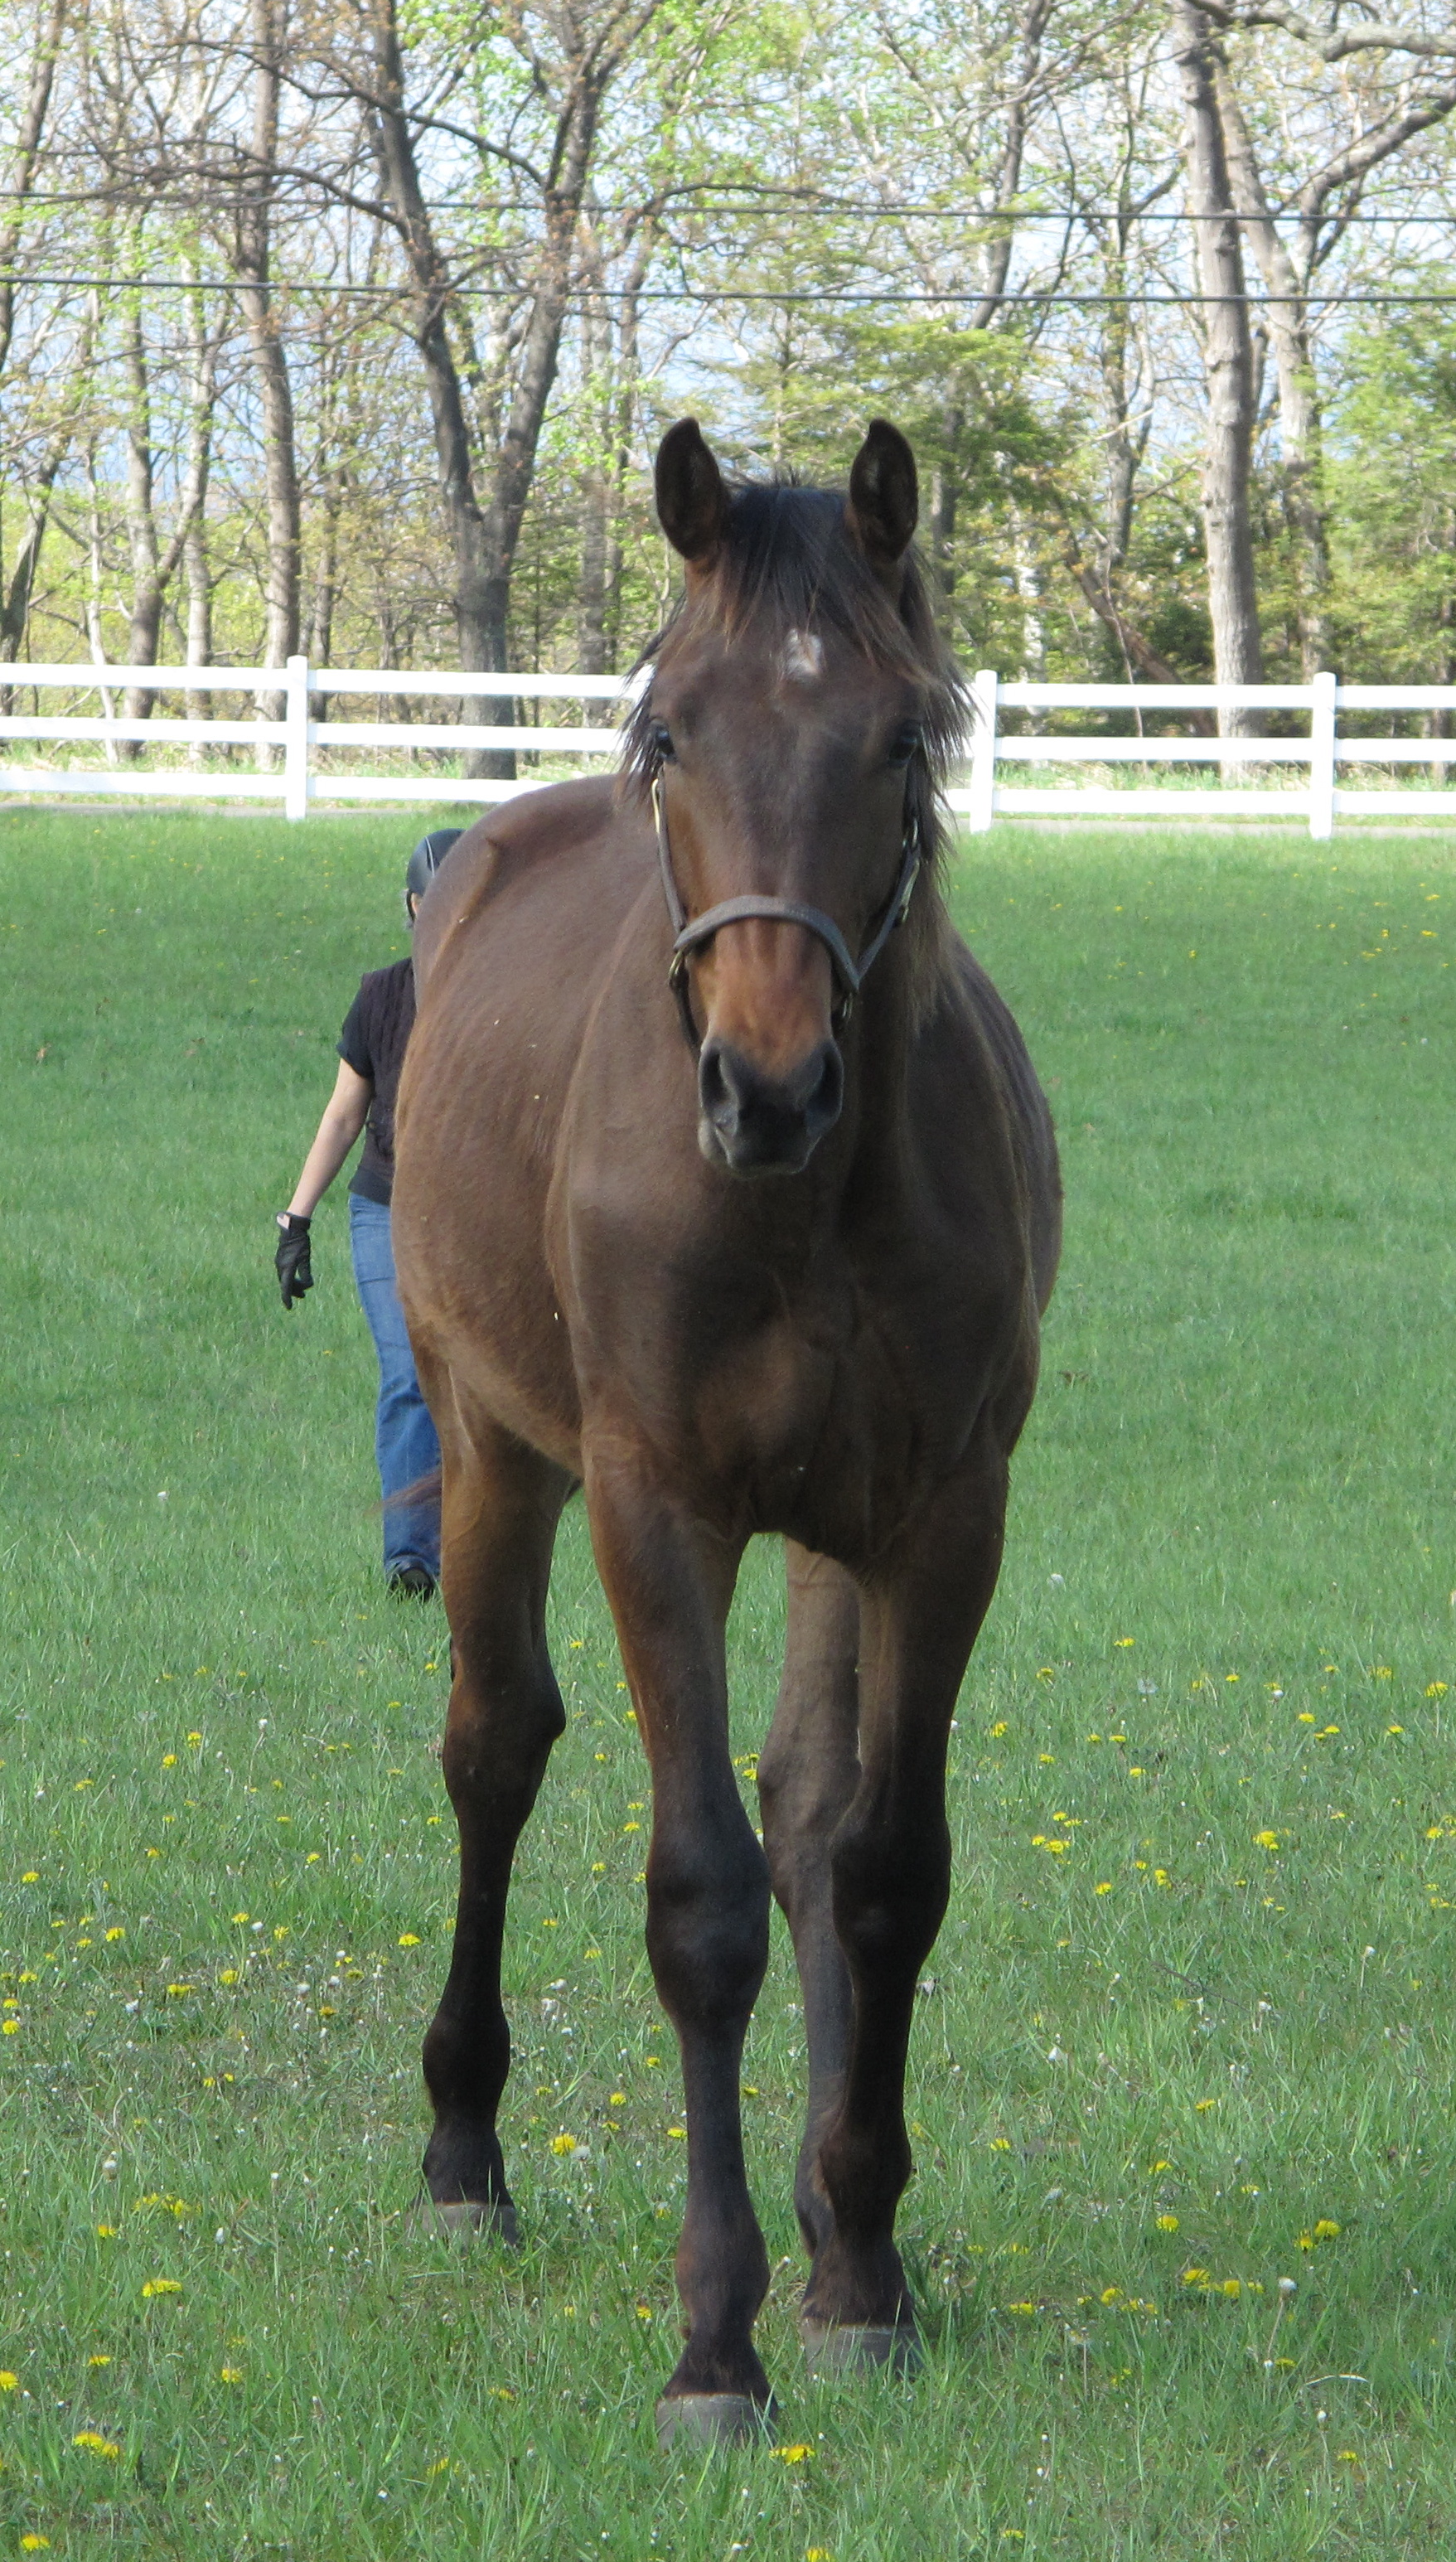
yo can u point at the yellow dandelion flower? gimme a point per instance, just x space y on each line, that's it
107 2231
999 1728
617 2100
409 1938
798 2455
1202 2106
162 2286
35 2544
175 1992
679 2132
1112 2294
96 2445
230 2374
1123 1641
32 1877
1435 1690
1233 2288
1104 1886
563 2143
1326 2229
1195 2276
9 2028
1266 1840
8 2382
1168 2223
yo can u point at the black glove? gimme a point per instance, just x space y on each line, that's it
294 1272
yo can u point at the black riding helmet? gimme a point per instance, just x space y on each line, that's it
426 861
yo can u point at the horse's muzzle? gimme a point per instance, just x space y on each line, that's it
757 1124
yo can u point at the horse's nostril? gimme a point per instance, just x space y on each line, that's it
827 1095
717 1092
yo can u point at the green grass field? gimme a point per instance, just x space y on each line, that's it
1189 2030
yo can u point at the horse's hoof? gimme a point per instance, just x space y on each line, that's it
712 2420
497 2217
853 2348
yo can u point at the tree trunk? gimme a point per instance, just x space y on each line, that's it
481 628
251 246
15 599
141 530
596 489
1287 318
25 156
1228 362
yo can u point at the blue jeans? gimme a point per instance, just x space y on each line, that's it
404 1439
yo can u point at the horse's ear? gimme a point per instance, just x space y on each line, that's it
692 503
884 495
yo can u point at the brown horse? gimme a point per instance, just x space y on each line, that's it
785 1275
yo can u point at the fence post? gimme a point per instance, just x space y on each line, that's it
984 690
295 740
1322 757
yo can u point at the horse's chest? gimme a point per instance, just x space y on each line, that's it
826 1423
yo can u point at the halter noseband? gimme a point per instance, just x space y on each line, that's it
689 932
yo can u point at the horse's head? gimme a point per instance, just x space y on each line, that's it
797 714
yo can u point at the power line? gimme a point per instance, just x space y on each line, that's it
712 296
768 204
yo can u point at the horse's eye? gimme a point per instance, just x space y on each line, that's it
662 747
904 744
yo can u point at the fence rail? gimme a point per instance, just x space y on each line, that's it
295 754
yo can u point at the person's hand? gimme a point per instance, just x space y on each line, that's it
294 1272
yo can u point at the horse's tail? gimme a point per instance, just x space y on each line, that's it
423 1490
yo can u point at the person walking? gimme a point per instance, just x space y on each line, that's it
371 1054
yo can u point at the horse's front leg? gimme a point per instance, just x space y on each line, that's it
808 1772
669 1582
891 1868
500 1506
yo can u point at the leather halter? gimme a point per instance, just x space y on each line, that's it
690 932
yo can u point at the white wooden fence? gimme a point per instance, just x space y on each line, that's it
297 757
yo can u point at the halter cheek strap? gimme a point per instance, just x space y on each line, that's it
689 933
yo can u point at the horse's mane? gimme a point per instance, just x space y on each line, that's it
788 558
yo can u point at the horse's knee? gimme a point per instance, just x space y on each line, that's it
708 1925
802 1808
890 1891
498 1734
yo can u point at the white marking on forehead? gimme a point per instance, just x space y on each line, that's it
804 657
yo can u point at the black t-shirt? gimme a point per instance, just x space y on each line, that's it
376 1029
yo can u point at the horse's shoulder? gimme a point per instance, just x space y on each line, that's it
536 828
